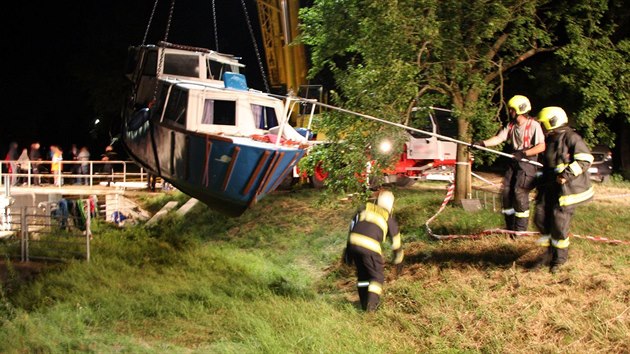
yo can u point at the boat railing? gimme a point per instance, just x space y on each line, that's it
97 173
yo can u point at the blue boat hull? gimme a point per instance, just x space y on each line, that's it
227 175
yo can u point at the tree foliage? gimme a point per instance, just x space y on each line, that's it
597 68
388 55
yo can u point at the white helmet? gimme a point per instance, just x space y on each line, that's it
386 200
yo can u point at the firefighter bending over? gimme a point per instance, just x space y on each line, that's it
368 229
564 184
527 140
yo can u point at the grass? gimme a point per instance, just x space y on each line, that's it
270 281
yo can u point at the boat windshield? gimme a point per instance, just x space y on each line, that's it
181 65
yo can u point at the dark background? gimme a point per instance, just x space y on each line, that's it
64 62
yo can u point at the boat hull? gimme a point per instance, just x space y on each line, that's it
228 174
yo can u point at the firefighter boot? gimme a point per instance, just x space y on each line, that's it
521 224
363 297
372 303
509 221
544 259
560 257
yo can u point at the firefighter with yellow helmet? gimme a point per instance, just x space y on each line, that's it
368 229
564 184
526 138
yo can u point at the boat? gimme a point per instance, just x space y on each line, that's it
191 119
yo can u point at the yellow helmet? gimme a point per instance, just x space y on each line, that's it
386 200
520 104
552 117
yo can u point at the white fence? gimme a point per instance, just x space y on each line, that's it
49 232
94 173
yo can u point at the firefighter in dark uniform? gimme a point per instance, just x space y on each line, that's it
368 229
565 183
527 140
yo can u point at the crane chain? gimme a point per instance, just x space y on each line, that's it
166 32
216 31
146 31
251 33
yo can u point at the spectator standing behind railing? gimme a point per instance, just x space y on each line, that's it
75 168
56 167
35 155
84 157
108 168
12 157
24 165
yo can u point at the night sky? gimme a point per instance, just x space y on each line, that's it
64 61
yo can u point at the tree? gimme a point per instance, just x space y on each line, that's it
388 55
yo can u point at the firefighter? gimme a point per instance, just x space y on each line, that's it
368 229
565 183
527 140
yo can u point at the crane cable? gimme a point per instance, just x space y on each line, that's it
214 20
166 33
146 31
251 33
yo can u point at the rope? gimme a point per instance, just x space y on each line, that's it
449 195
251 33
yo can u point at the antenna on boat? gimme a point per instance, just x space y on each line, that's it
251 33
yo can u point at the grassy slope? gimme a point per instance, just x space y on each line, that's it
270 281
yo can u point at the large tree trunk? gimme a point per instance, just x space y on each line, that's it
462 169
622 151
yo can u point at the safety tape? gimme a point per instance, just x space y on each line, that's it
449 195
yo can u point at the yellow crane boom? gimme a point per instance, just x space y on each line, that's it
286 60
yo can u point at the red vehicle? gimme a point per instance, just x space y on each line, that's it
424 157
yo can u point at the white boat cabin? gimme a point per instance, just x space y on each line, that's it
202 91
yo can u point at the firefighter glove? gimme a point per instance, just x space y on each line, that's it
565 177
478 143
519 155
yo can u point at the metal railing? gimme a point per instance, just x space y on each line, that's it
47 233
93 172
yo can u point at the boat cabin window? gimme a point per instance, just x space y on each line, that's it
176 106
219 112
181 65
265 117
216 70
